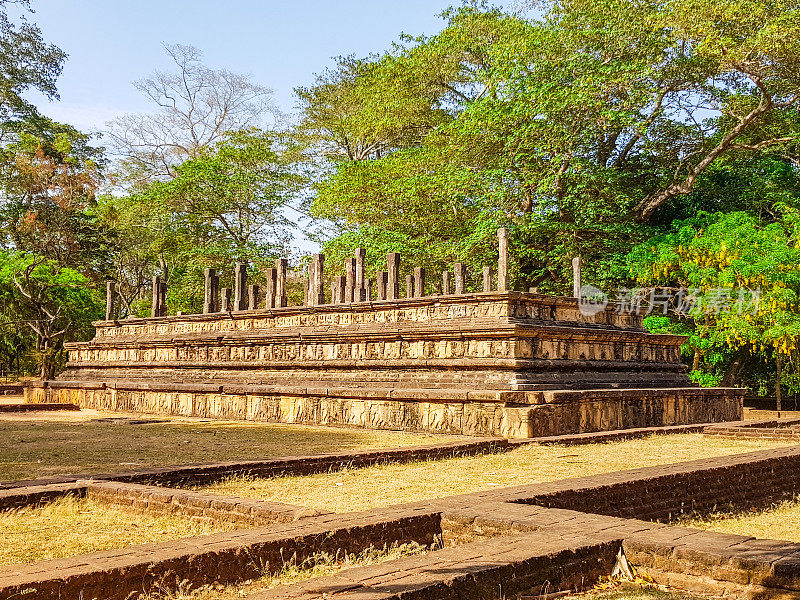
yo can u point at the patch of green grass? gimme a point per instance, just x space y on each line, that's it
383 485
58 444
70 526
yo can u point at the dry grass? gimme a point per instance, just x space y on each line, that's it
634 592
318 565
70 443
780 522
361 489
71 526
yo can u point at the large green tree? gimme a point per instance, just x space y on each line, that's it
735 285
53 303
26 62
582 130
49 176
229 203
54 252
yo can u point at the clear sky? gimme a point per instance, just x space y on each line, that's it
281 43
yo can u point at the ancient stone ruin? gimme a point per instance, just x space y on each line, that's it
498 362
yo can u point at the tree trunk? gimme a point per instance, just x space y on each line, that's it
696 361
48 366
778 385
734 371
48 358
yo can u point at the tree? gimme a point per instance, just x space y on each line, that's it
196 107
49 178
26 62
55 303
585 130
744 278
226 204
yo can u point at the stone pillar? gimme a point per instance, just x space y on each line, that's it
210 296
111 291
162 301
533 290
359 288
316 283
225 304
393 276
487 279
280 282
446 283
156 308
350 281
576 277
306 300
382 281
409 286
252 297
240 287
419 282
269 298
334 291
502 261
215 292
340 284
369 284
460 277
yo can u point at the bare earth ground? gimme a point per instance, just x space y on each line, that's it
70 526
362 489
50 443
41 444
780 522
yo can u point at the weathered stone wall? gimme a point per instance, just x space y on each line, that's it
478 341
423 410
493 305
476 364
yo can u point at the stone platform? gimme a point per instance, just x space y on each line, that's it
495 363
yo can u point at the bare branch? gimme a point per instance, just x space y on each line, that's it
197 106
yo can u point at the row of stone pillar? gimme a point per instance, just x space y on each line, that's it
354 286
245 297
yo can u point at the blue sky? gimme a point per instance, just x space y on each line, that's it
282 44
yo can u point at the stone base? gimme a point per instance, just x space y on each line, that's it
461 412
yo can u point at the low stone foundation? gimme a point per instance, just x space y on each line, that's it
487 412
771 429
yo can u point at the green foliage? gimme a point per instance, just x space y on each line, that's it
225 205
26 62
50 303
577 128
49 173
745 277
666 126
